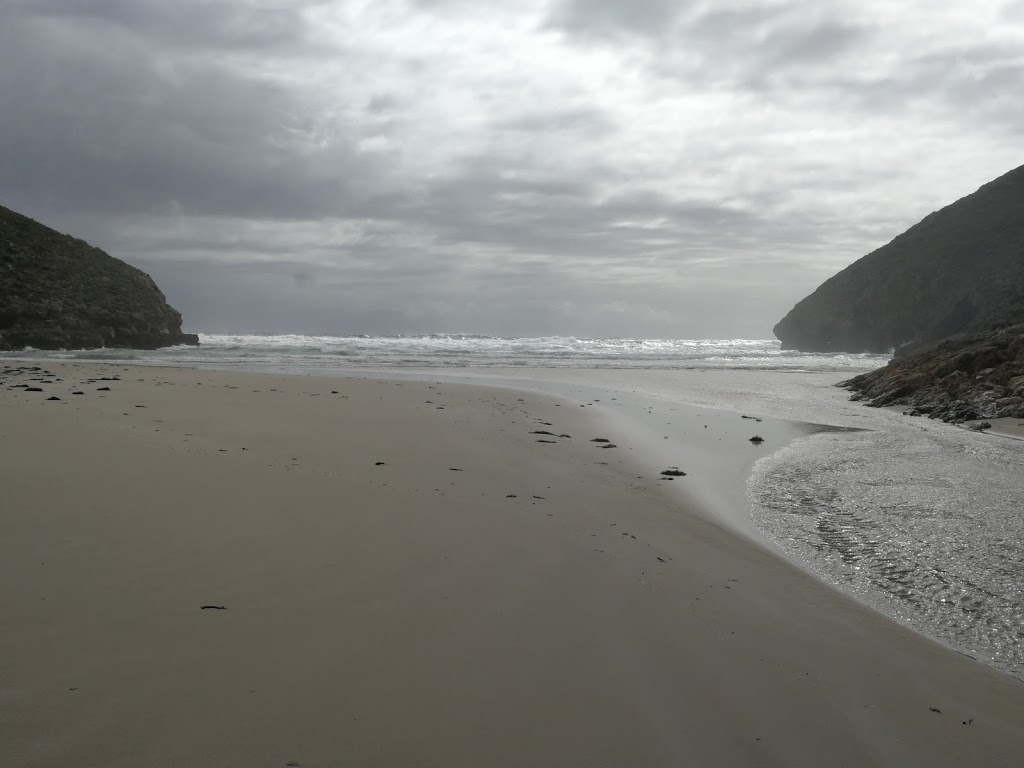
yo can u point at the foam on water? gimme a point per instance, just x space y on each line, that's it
455 350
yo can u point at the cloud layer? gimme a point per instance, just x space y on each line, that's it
588 167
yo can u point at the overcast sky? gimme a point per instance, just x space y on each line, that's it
587 167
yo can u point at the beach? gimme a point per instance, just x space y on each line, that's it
236 569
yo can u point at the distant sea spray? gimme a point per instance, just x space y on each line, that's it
454 350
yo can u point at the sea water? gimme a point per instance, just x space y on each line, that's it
289 352
921 520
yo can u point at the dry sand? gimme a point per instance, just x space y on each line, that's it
479 599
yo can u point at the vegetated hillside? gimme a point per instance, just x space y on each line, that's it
58 292
960 269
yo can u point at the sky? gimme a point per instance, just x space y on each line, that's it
628 168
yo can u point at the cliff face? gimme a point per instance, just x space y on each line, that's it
960 269
971 376
57 292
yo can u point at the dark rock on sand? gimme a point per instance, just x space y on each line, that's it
58 292
757 439
673 472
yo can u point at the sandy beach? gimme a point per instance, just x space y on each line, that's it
228 569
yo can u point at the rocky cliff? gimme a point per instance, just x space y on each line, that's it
970 376
57 292
961 269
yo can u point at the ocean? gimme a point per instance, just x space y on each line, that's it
290 352
920 520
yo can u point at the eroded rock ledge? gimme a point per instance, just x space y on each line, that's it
979 376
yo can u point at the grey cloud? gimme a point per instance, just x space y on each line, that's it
116 133
614 18
431 187
820 42
973 85
732 24
111 128
383 103
753 45
552 217
186 23
801 55
1013 12
443 5
753 36
797 58
585 120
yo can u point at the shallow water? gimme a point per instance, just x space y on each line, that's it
924 525
921 520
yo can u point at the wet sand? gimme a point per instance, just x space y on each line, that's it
1004 427
218 569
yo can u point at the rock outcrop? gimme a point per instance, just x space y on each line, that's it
971 376
58 292
961 269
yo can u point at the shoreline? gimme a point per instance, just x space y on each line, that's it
722 498
469 623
